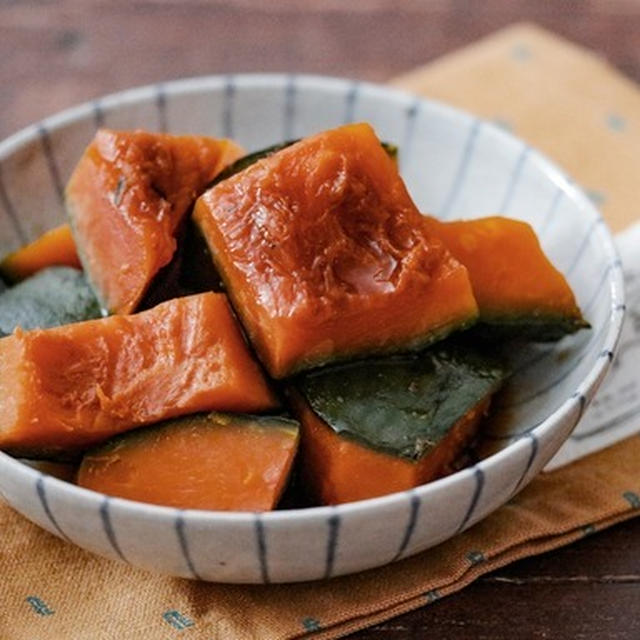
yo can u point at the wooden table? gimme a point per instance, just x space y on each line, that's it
57 53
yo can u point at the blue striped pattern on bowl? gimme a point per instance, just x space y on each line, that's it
455 166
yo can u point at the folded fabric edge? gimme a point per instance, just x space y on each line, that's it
530 548
487 44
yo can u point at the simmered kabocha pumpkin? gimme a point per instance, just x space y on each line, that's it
205 461
324 258
52 297
53 248
126 200
377 426
251 158
70 387
519 292
197 271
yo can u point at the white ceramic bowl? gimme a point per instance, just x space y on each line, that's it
455 166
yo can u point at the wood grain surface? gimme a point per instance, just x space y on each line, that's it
589 590
56 53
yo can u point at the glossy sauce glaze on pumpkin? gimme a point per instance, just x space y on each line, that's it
324 258
205 461
69 387
517 288
126 199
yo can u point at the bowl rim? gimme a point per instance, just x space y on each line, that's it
573 404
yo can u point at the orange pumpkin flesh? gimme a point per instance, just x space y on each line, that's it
215 461
324 256
126 199
72 386
510 275
337 469
53 248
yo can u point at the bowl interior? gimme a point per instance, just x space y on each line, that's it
455 166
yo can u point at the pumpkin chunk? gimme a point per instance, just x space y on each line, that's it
50 298
126 199
213 461
69 387
516 286
384 425
323 255
53 248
